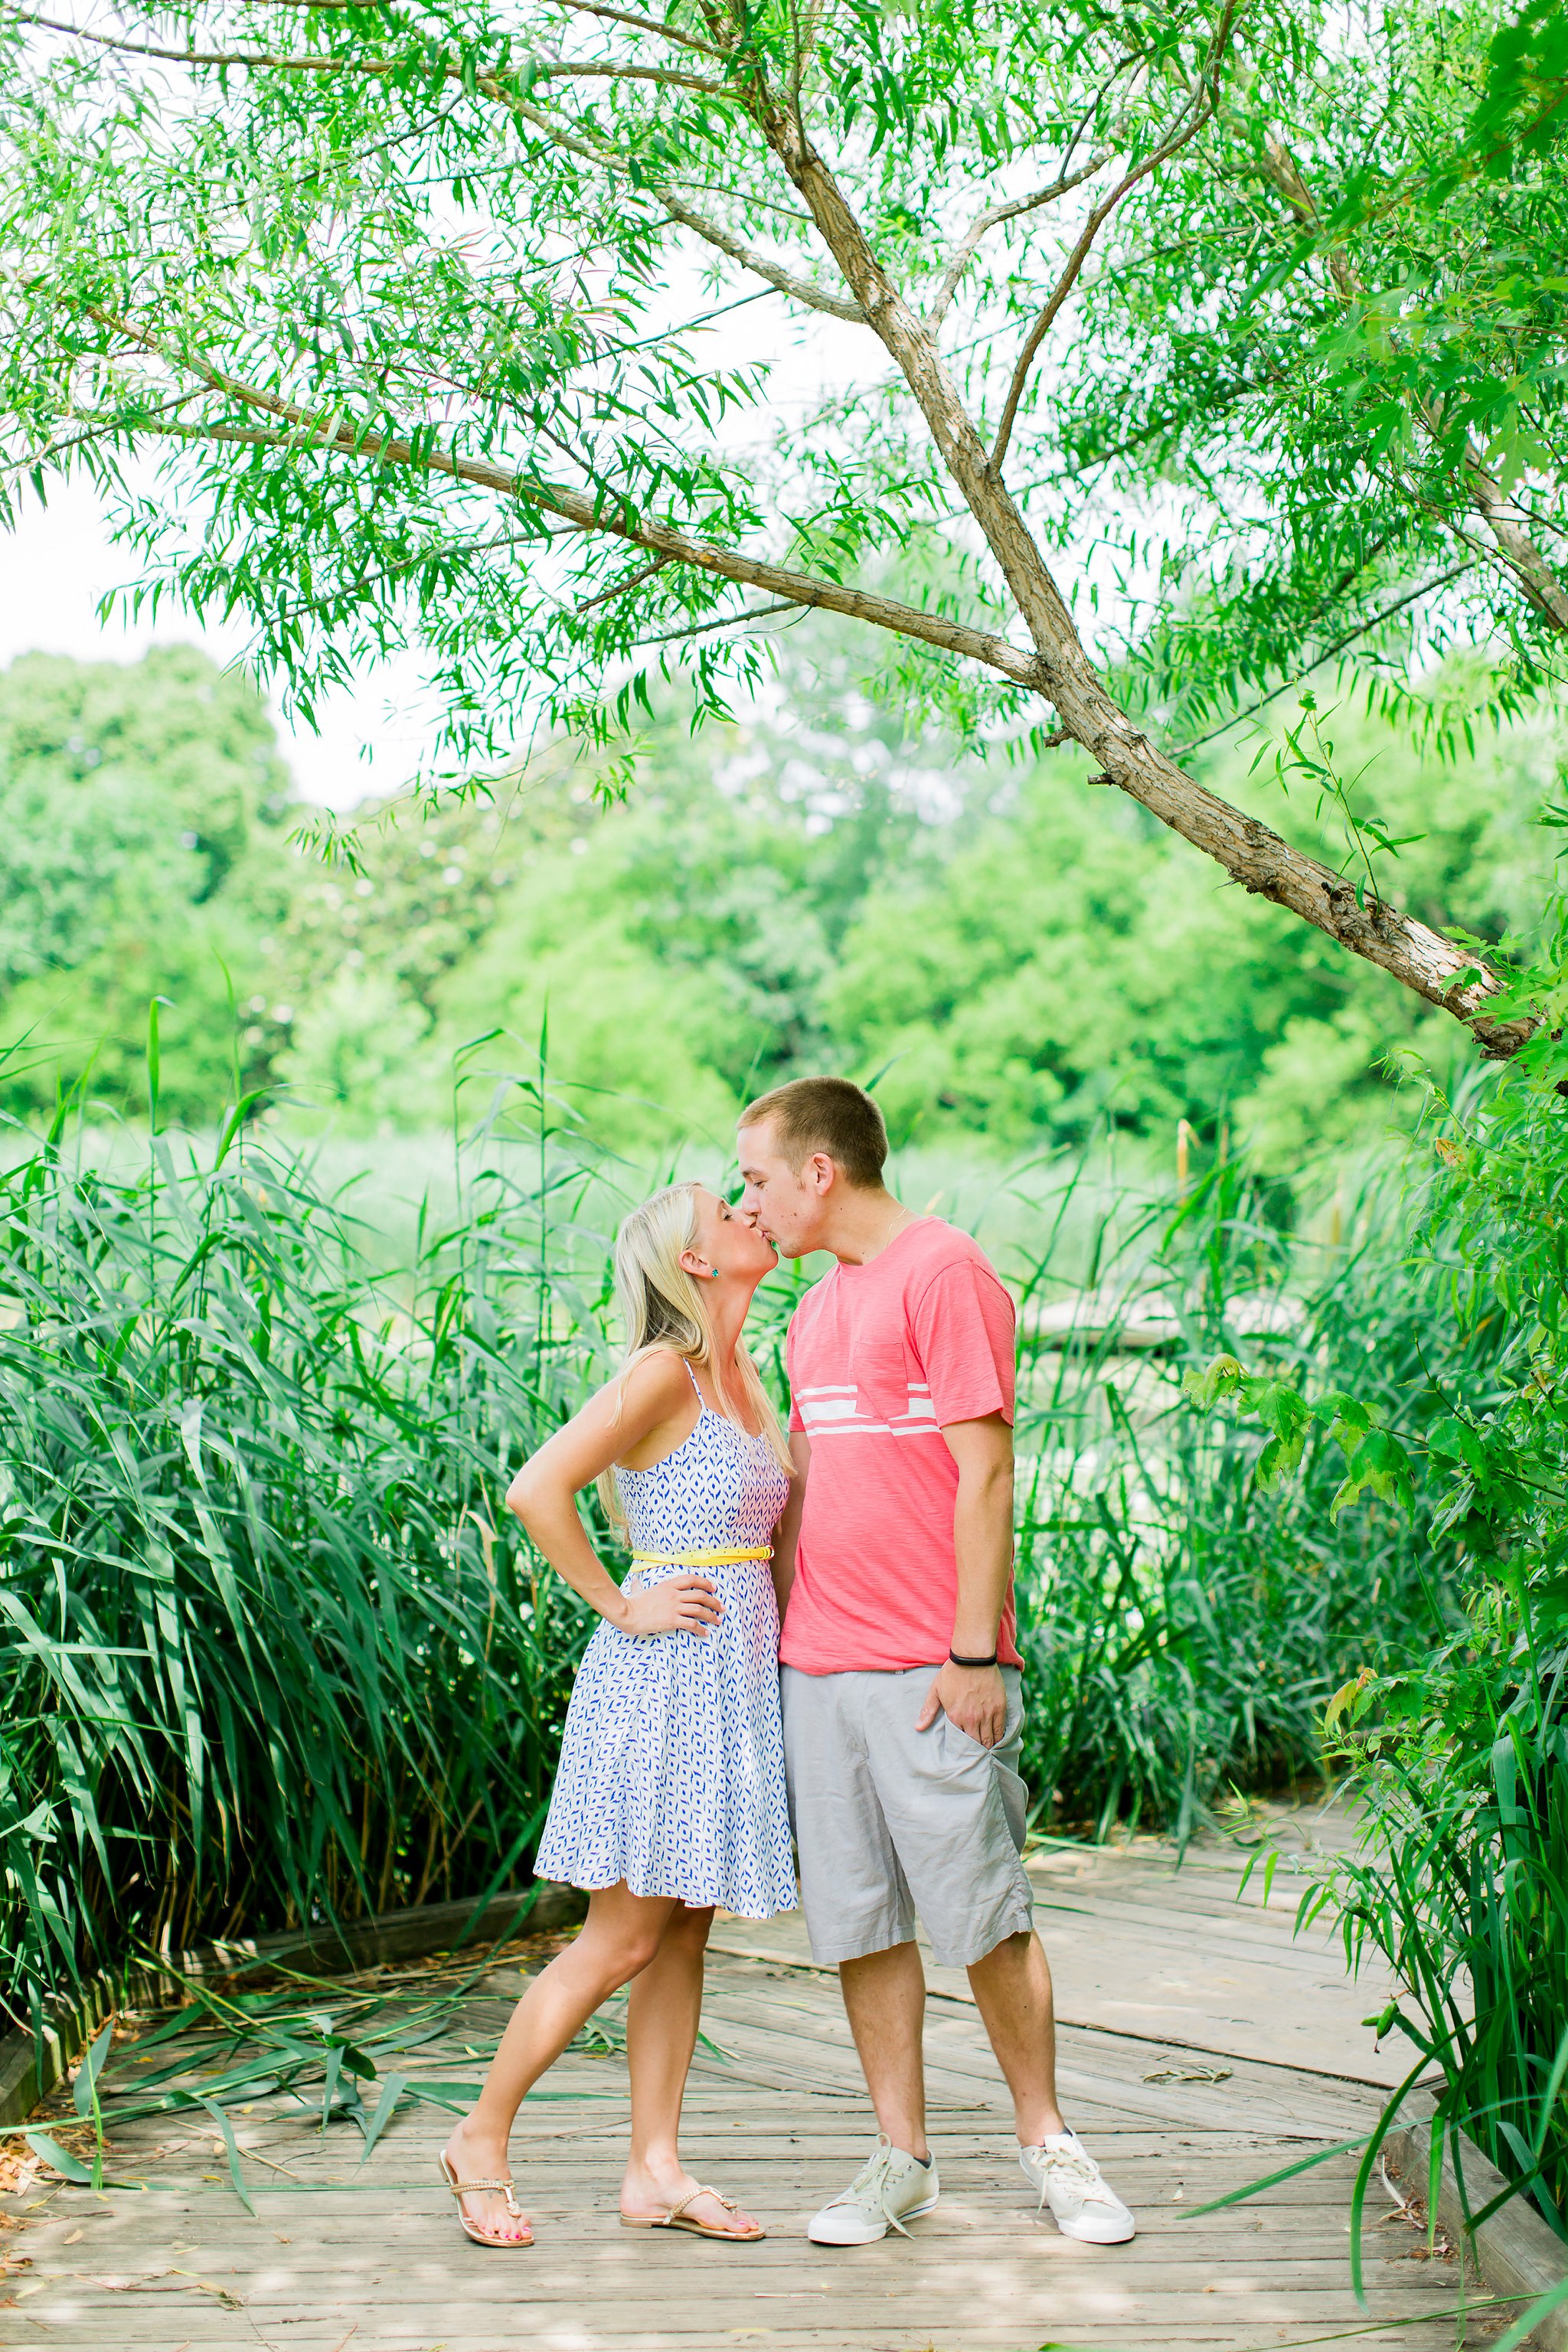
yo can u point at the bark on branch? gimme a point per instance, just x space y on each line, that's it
979 229
595 518
1250 852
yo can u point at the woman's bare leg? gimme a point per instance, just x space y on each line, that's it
621 1935
663 2013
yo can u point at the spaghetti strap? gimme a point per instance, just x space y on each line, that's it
695 1383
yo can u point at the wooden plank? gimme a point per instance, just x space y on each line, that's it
1170 1984
30 2066
339 2259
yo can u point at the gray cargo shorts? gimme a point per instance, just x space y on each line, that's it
891 1821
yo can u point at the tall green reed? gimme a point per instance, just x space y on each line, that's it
1184 1626
272 1652
1459 1748
1463 1756
275 1651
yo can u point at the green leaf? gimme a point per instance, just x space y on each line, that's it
1282 1410
1272 2179
1222 1378
1378 1464
232 2146
391 2090
84 2089
1454 1440
64 2163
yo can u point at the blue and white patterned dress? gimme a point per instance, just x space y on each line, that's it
672 1763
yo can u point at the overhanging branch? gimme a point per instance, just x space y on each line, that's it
595 520
374 68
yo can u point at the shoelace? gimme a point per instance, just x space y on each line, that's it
1080 2168
873 2174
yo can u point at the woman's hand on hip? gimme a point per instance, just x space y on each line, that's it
679 1605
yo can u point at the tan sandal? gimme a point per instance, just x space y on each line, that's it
678 2218
461 2189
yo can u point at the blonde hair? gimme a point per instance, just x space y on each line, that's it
663 1305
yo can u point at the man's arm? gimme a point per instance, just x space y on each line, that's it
975 1697
786 1534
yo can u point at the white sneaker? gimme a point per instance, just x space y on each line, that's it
1068 2178
889 2189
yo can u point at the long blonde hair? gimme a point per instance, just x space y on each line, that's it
663 1305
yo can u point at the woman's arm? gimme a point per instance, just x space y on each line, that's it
544 1494
787 1533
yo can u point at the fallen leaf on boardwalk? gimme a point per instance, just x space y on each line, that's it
17 2172
151 2284
1190 2075
207 2287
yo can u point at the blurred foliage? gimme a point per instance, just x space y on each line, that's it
142 853
1014 956
272 1649
1460 1750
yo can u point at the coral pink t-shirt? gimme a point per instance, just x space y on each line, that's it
881 1357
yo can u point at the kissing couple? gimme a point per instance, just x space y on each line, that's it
880 1532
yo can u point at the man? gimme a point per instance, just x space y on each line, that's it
902 1703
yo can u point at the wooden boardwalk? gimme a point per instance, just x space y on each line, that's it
1205 2048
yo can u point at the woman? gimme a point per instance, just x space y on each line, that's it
670 1796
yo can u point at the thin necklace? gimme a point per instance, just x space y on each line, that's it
902 1216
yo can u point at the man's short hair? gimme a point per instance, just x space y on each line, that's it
830 1115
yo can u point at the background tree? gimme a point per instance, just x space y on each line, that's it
1026 968
392 287
143 814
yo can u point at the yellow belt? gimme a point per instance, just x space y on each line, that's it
700 1558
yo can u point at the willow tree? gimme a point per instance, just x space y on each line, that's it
396 290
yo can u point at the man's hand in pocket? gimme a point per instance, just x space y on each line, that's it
974 1697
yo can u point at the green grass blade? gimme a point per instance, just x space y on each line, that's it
232 2146
392 2091
1271 2180
84 2089
1528 2321
68 2167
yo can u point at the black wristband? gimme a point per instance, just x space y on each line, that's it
954 1660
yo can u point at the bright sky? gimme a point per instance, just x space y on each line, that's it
60 562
